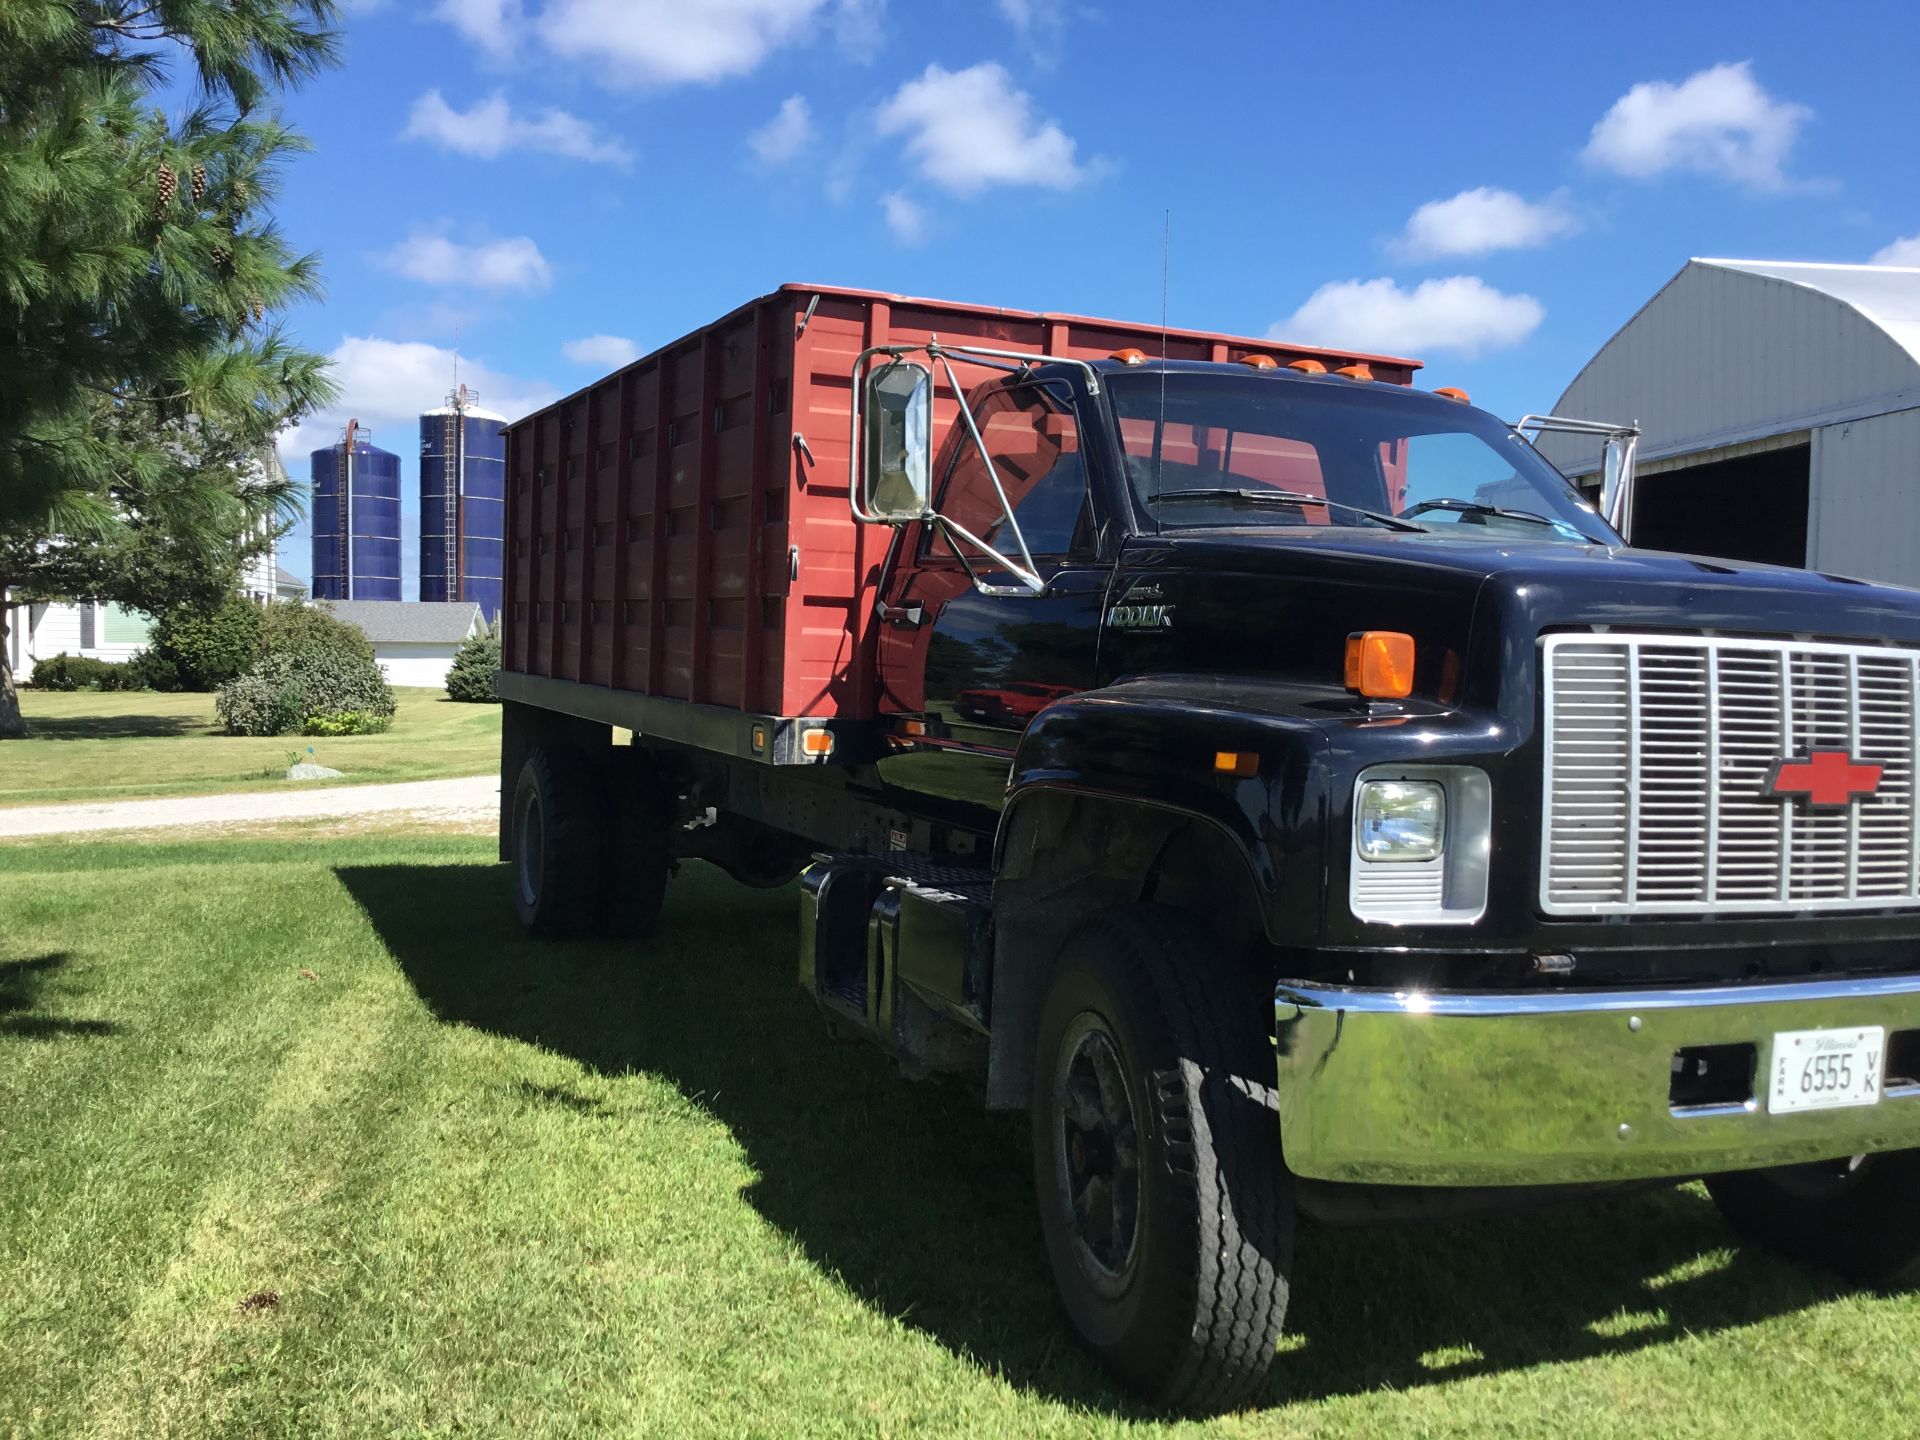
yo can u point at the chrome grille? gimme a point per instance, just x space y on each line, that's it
1659 750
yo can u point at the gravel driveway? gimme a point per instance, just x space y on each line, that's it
471 797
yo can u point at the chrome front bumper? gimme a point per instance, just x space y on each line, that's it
1567 1087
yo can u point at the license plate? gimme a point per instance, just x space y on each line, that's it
1827 1069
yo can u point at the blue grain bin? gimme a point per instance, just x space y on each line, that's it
356 535
463 510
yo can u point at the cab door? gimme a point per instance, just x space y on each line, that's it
968 656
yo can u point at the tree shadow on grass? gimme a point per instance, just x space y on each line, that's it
922 1204
21 982
114 727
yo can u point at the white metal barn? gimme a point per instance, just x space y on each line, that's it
1779 405
413 641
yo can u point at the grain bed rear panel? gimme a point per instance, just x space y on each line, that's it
665 535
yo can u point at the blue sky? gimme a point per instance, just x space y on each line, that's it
554 185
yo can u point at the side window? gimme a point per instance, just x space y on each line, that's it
1035 444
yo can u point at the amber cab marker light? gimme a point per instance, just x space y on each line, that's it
1380 664
1454 392
1129 356
1307 367
1241 764
1355 372
1260 362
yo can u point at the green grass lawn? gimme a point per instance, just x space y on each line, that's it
86 745
497 1188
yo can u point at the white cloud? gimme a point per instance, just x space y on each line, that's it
1717 122
494 25
906 218
1041 26
971 128
1478 222
784 136
511 264
490 129
1461 313
601 352
1900 252
673 42
388 384
860 29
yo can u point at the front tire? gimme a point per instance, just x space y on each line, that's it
1165 1204
1859 1218
557 850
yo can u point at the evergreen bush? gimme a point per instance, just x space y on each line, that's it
474 665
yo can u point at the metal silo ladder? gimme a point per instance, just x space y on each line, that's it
452 474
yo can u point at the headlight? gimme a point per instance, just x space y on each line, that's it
1401 820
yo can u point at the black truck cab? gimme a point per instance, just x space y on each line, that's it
1294 794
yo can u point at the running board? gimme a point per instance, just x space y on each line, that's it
897 945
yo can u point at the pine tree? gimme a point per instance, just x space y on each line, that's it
139 271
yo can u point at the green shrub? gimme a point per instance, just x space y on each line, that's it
208 648
312 670
150 670
288 627
78 672
346 722
474 666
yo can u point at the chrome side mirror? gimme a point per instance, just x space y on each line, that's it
1616 481
896 474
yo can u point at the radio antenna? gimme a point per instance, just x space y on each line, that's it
1166 265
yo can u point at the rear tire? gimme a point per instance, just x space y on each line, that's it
1859 1218
1167 1209
557 850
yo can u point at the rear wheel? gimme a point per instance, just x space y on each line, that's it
557 834
1858 1217
1166 1207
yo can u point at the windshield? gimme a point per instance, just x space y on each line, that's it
1211 450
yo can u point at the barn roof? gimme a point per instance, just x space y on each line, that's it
1730 351
417 622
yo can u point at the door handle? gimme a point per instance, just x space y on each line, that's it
912 614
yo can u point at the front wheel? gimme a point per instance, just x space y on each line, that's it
1166 1207
1859 1217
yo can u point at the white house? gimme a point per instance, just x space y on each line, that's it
99 632
414 640
111 632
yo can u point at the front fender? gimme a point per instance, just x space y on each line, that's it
1158 742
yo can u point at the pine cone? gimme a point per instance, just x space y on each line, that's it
199 183
168 185
222 258
259 308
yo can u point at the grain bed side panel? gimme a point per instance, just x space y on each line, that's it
666 533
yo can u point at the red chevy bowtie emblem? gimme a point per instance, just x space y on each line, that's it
1825 779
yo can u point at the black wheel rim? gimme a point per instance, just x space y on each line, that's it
530 851
1097 1143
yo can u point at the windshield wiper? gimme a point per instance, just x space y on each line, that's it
1474 507
1291 499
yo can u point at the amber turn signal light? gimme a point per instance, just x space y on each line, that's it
817 742
1241 764
1380 664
